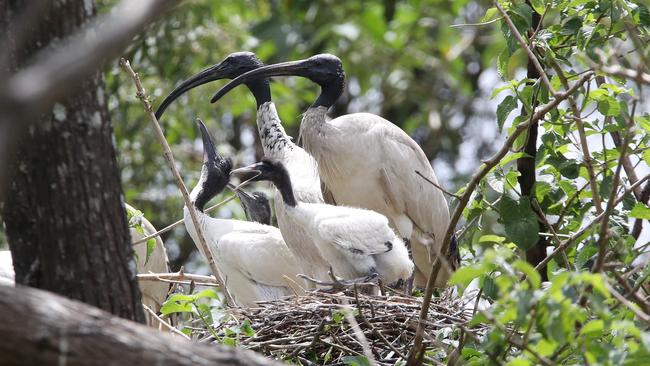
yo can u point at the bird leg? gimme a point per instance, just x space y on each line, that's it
339 284
406 285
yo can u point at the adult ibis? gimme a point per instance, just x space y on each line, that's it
367 161
276 144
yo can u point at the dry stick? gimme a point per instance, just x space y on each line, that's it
633 307
358 333
167 325
417 352
202 244
171 226
437 185
178 276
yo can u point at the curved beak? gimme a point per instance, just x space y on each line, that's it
243 195
212 73
209 151
297 68
247 173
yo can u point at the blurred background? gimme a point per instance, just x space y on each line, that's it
424 65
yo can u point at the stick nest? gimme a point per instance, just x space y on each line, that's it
315 326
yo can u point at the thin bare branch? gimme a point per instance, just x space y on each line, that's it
202 244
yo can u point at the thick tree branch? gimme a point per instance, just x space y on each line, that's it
40 328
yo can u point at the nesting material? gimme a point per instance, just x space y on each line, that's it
314 326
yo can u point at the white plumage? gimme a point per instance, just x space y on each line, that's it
253 258
303 171
356 242
7 274
366 161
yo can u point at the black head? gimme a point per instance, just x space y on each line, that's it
325 70
235 64
272 171
215 173
256 206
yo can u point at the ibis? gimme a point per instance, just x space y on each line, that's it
366 161
253 258
357 242
276 144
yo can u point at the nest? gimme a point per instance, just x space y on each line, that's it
325 328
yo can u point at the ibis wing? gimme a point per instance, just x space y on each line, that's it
360 232
262 257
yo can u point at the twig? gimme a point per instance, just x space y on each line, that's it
417 352
529 52
437 185
178 276
358 333
167 325
641 315
171 226
611 203
202 244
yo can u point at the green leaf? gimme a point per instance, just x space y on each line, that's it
246 329
151 245
609 106
464 275
531 274
491 239
508 104
490 14
525 15
640 211
170 307
206 294
571 26
502 69
593 327
519 220
355 360
519 361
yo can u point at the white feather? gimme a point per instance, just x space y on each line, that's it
366 161
303 172
252 257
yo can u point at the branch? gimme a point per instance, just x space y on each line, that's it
529 52
179 277
57 72
202 244
41 328
417 352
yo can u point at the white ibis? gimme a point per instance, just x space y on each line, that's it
7 273
154 293
256 206
278 145
367 161
253 257
357 242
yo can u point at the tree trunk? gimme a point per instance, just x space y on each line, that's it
40 328
64 217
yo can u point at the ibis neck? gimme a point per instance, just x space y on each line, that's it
261 91
330 92
199 195
273 136
283 184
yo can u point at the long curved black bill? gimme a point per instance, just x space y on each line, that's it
279 69
212 73
209 151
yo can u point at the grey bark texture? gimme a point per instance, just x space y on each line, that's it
40 328
63 210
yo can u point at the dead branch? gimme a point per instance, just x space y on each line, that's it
202 244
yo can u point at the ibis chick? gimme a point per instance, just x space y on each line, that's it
356 242
252 257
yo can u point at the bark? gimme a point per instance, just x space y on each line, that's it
64 217
40 328
526 168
